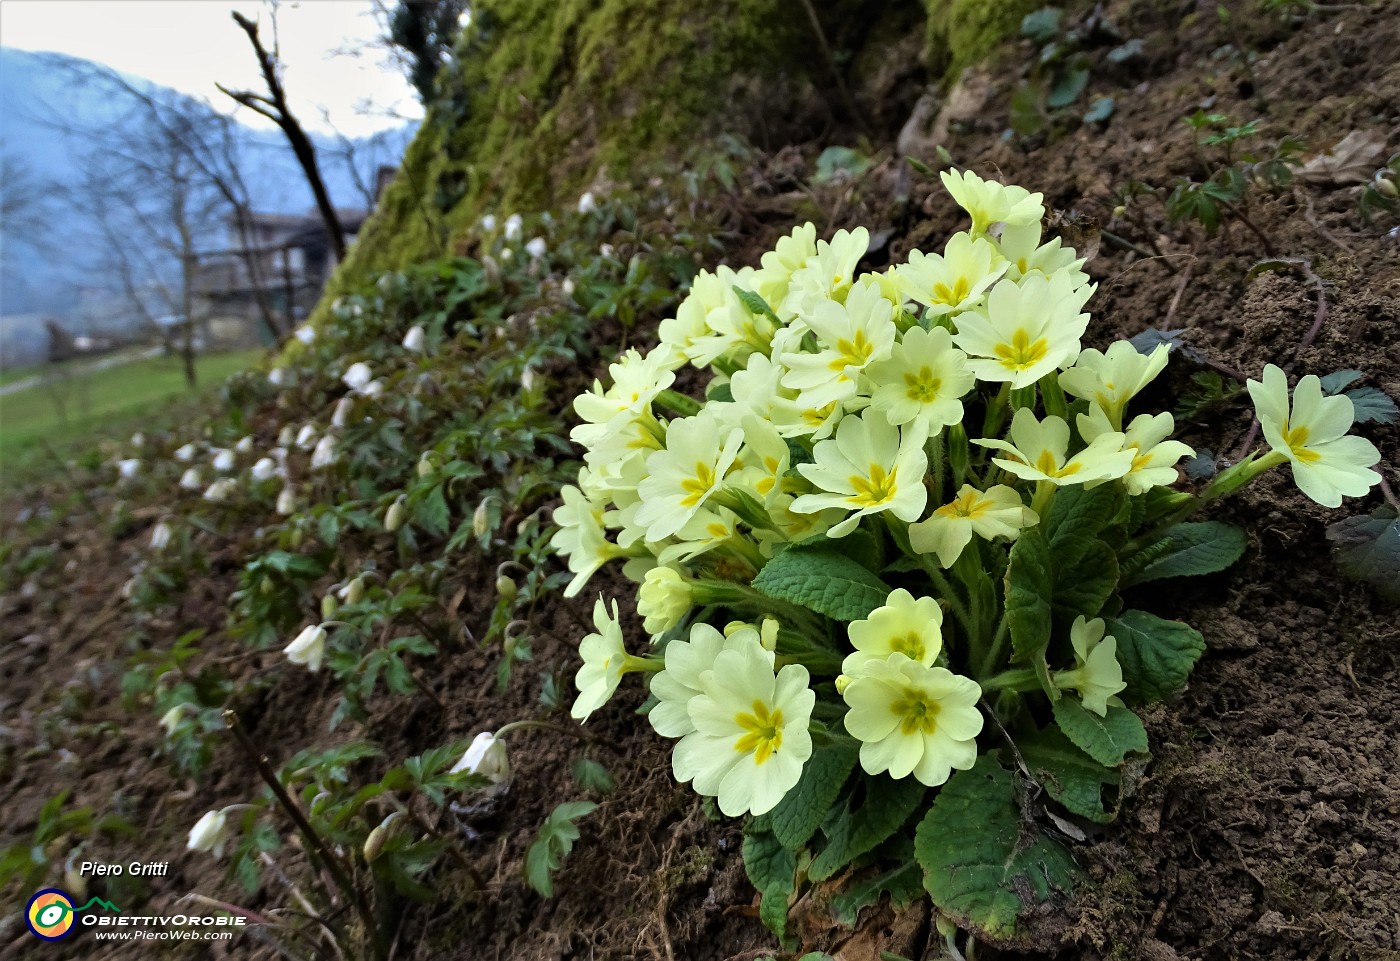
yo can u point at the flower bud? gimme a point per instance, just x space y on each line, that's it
129 468
414 339
568 286
663 599
505 587
537 248
295 538
209 833
308 647
190 480
184 454
223 461
481 519
287 501
487 757
354 592
527 379
358 376
343 409
171 718
843 681
264 469
329 607
393 517
374 844
306 437
586 203
286 437
1386 186
324 455
244 445
514 224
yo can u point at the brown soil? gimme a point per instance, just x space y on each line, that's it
1268 824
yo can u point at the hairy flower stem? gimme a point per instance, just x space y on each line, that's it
994 653
1054 396
981 594
934 450
316 845
996 412
744 598
678 403
1016 679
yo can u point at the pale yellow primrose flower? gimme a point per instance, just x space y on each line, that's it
686 663
954 281
605 660
704 532
902 625
852 335
1097 675
1020 245
1112 378
913 719
992 203
1154 457
924 379
1327 464
663 599
829 273
788 256
750 739
581 538
1037 451
867 468
637 379
763 460
682 477
1025 330
735 331
998 512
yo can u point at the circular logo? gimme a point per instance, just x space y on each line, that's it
50 915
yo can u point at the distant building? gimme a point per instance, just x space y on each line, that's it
289 255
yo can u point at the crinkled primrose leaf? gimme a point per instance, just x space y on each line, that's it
984 865
824 580
1192 549
1156 655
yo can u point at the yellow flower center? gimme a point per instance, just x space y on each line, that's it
911 645
952 296
853 353
917 714
1140 459
1022 353
875 489
968 505
923 387
763 732
698 486
1297 439
816 416
1048 466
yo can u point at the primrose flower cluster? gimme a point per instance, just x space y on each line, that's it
915 423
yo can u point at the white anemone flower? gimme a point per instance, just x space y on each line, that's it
306 334
160 536
209 834
514 226
325 453
913 719
190 479
264 469
586 203
485 756
868 468
1312 436
223 460
129 467
358 376
287 501
414 340
185 453
308 647
488 223
536 248
751 736
306 437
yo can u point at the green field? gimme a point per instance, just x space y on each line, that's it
107 403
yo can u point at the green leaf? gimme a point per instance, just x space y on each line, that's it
1069 775
1367 548
982 866
824 580
1030 585
1067 87
1041 25
835 161
1156 655
1085 574
1078 511
904 884
553 843
803 809
432 513
755 303
1337 381
1373 406
772 869
884 807
1193 549
1106 739
592 776
1100 110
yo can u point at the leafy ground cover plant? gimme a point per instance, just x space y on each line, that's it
883 562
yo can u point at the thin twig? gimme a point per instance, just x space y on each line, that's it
1180 292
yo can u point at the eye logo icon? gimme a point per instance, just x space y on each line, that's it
50 914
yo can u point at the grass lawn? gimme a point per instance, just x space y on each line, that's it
105 403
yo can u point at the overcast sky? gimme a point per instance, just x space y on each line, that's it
191 44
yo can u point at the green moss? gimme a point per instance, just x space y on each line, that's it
963 32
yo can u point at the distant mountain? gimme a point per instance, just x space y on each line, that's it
48 258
